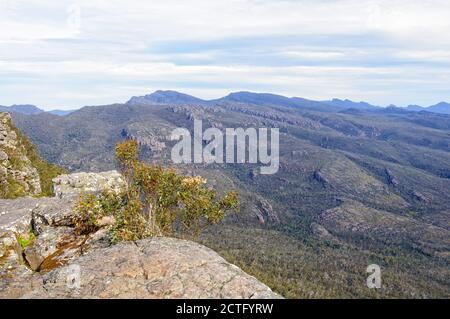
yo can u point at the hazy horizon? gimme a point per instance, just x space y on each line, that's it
62 108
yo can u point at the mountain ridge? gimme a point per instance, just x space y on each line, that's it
166 97
270 99
21 108
30 109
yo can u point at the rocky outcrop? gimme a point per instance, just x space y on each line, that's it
322 232
318 176
51 221
264 211
419 196
151 268
18 177
73 184
272 116
44 224
55 262
392 180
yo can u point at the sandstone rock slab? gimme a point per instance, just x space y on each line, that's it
152 268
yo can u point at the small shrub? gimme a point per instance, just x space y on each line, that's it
91 208
157 201
88 210
25 240
127 154
14 188
130 223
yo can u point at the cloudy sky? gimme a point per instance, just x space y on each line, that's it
65 54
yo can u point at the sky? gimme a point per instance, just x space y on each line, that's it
66 54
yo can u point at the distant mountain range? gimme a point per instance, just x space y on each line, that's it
165 97
443 108
23 108
350 104
29 109
264 99
267 99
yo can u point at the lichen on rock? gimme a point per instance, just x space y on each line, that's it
74 184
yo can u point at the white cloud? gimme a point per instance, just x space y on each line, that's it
382 51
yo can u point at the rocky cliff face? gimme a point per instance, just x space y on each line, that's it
22 171
41 256
18 176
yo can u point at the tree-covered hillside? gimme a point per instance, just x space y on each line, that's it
355 187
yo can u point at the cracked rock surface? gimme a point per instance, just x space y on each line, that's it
151 268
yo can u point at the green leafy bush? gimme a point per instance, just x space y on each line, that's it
156 201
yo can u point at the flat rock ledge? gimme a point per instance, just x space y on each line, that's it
153 268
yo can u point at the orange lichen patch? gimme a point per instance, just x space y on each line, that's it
67 248
66 240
